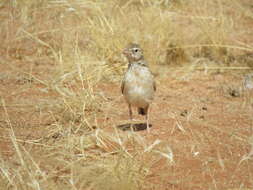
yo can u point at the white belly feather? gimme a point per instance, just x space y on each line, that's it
139 86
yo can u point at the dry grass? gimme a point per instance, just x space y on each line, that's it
68 49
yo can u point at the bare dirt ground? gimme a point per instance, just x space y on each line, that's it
63 120
198 117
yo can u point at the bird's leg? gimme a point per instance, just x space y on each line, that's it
147 120
131 116
130 112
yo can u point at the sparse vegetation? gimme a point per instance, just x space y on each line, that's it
60 102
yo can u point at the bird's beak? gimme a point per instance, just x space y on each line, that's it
125 52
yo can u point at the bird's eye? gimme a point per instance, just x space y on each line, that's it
136 50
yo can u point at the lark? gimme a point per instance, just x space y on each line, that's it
248 87
138 85
248 83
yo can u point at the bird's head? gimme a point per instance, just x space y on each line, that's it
133 52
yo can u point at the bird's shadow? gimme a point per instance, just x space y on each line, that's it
133 126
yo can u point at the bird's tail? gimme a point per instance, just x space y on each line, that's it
142 111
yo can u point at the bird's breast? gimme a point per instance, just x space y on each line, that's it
139 87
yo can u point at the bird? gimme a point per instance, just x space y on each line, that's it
248 83
248 87
138 85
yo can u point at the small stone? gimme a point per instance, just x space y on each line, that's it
184 113
202 117
234 93
204 108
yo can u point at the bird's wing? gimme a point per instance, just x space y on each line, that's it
154 85
122 85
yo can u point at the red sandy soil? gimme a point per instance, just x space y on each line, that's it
208 146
